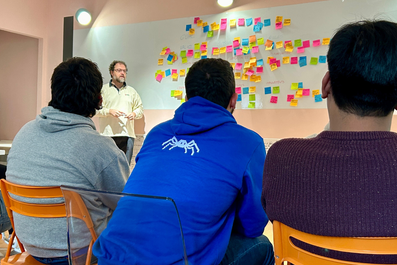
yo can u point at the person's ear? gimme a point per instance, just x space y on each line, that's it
232 102
186 98
326 86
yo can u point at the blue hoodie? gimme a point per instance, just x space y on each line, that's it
212 167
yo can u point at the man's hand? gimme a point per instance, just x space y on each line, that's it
116 113
131 116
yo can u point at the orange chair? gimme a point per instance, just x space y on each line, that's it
285 250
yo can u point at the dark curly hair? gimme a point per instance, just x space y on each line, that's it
212 79
76 87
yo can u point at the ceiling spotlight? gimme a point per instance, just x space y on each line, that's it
225 3
83 16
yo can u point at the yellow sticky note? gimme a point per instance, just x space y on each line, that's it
315 92
182 72
268 48
279 19
196 55
163 52
197 46
299 92
258 79
213 25
289 47
232 23
199 22
268 59
246 65
174 76
163 73
252 44
169 62
294 86
238 38
326 41
252 60
287 22
294 103
160 62
285 60
191 31
204 53
252 78
216 27
233 65
215 52
184 60
252 89
237 75
222 50
273 67
244 77
246 49
204 43
205 24
261 41
279 44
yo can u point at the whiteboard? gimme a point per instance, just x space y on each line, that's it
140 44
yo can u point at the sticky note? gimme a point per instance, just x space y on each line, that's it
279 25
276 90
313 61
268 90
285 60
174 76
183 53
159 77
241 21
289 97
196 19
273 67
163 73
294 60
222 50
258 79
316 43
206 29
252 38
252 60
174 71
245 90
210 34
184 60
223 21
252 89
232 23
250 72
255 49
269 43
160 62
289 47
199 22
299 92
315 92
229 48
261 41
322 59
306 92
239 97
170 57
306 44
287 22
237 75
236 43
239 52
257 28
259 62
196 55
188 27
266 22
216 27
271 60
252 78
191 31
172 93
239 66
326 41
294 103
203 53
273 99
298 43
204 57
223 26
251 105
244 77
300 50
244 42
248 21
238 90
294 86
279 44
279 19
213 25
317 98
203 47
246 50
259 69
256 20
215 51
182 72
205 24
246 65
189 53
251 97
302 61
167 72
300 85
197 46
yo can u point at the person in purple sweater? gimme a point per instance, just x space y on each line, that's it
344 181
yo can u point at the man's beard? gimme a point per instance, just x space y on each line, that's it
120 79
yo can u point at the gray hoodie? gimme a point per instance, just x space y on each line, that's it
60 148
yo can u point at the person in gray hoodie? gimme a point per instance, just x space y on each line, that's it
62 147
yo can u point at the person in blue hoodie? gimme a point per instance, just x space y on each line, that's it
212 168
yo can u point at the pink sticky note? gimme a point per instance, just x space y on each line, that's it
256 20
223 26
189 53
159 77
239 52
306 44
241 21
167 51
250 72
223 21
203 47
278 63
279 25
255 49
238 90
174 71
289 97
272 61
195 19
236 43
316 43
259 69
300 50
294 60
213 49
229 48
306 92
238 66
273 99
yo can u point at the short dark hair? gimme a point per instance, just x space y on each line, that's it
76 87
212 79
362 63
111 66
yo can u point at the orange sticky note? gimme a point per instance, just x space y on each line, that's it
244 77
294 103
237 75
199 22
326 41
252 38
315 92
160 62
269 43
285 60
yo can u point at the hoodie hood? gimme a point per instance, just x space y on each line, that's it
53 120
198 115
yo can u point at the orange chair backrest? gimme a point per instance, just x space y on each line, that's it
285 250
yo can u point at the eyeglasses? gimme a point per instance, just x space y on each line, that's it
121 70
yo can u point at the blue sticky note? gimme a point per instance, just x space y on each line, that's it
244 42
300 85
167 72
248 22
322 59
302 61
206 29
268 90
188 27
204 57
266 22
257 28
239 97
260 25
318 98
245 90
259 62
170 57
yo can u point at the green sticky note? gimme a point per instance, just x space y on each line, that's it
157 72
261 41
245 49
183 53
184 60
172 93
294 86
251 105
210 34
197 46
252 97
182 100
196 55
252 44
276 90
187 70
298 43
314 61
169 62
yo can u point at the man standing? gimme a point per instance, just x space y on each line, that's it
343 182
121 106
212 167
62 147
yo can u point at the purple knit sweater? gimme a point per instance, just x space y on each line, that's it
337 184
